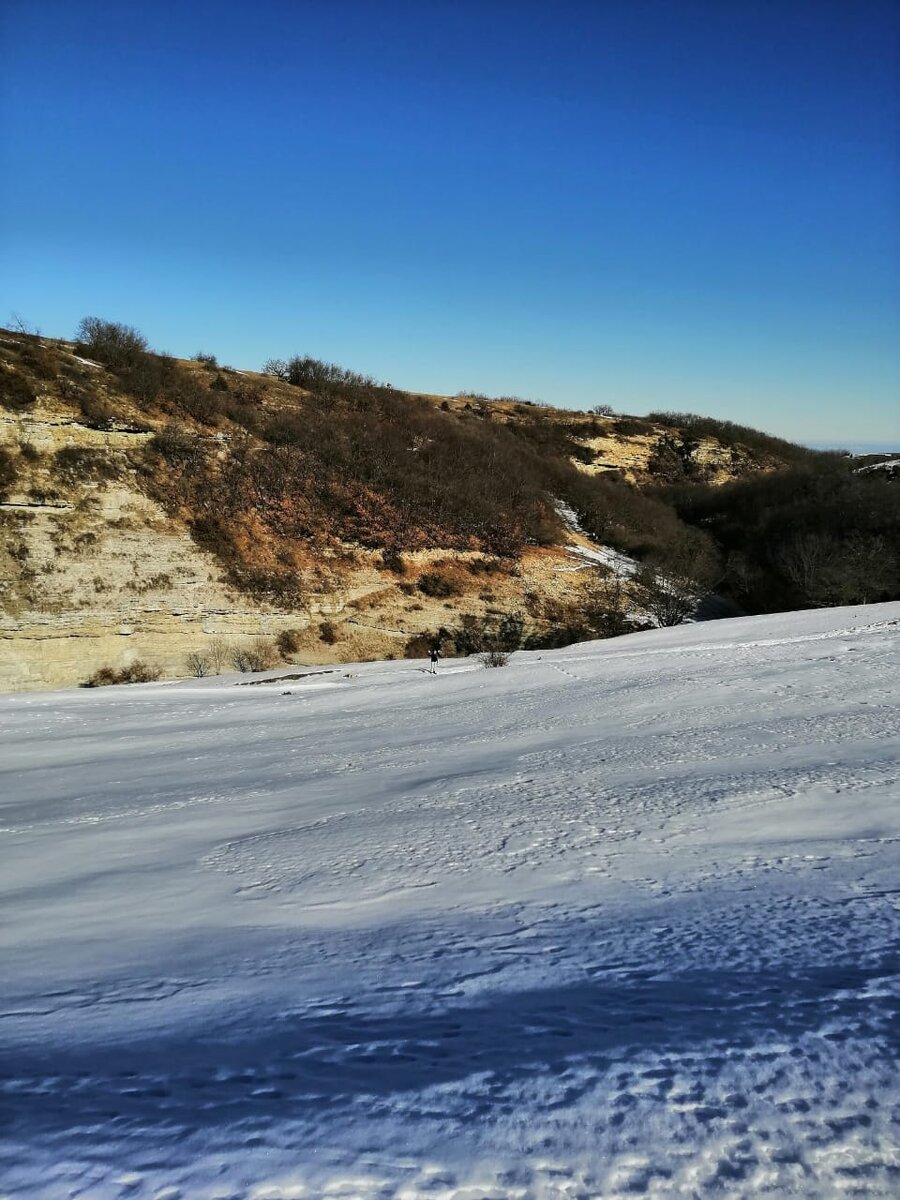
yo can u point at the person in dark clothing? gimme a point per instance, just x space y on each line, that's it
434 656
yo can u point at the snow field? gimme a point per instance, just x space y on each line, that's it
617 920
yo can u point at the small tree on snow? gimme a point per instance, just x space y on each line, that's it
198 664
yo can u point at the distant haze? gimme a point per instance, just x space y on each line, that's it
857 447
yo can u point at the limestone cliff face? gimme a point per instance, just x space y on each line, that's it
659 455
93 574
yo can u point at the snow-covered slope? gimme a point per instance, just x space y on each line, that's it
618 919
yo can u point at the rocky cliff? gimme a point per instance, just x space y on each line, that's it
102 566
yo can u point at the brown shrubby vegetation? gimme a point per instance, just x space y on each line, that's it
96 412
328 633
74 464
262 654
8 472
275 476
289 642
16 392
137 672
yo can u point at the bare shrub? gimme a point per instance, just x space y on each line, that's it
606 605
110 342
15 391
392 560
439 584
197 664
137 672
276 367
217 655
494 658
102 677
177 446
77 464
484 566
261 654
503 632
96 412
288 642
328 633
8 472
673 580
41 360
240 660
827 569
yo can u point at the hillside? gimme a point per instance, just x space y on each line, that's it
619 919
158 511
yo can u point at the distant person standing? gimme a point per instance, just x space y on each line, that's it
434 655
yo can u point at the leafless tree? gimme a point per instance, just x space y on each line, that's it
217 655
197 664
670 584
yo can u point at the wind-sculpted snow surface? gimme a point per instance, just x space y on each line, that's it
617 920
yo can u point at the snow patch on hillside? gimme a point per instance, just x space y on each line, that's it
620 919
587 550
890 466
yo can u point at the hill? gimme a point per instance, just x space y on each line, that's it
160 513
617 919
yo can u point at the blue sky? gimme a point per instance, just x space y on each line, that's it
689 204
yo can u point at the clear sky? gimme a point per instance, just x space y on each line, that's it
689 204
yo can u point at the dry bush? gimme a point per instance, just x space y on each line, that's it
96 412
8 472
110 342
494 658
41 360
84 542
217 654
484 566
289 642
328 633
261 654
372 599
240 660
440 583
137 672
179 447
15 391
392 560
197 664
77 464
